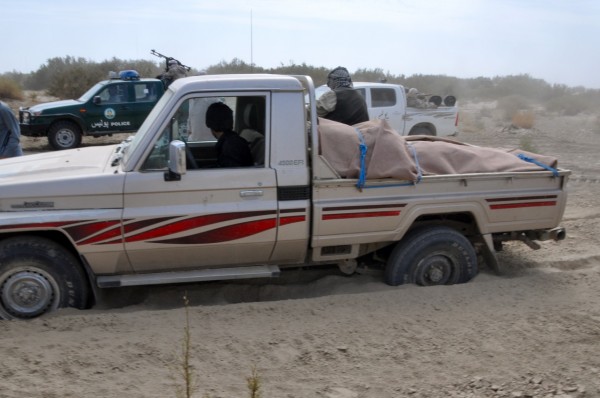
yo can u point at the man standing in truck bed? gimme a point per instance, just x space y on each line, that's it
343 104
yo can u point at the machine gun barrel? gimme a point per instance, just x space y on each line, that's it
167 58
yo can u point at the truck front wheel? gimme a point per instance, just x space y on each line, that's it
64 135
432 255
38 276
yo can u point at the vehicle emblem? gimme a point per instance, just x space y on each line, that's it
32 205
110 113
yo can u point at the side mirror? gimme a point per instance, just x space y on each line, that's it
97 100
177 161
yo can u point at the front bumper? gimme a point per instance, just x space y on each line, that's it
27 128
33 130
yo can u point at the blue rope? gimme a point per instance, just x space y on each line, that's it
363 155
536 162
419 171
405 184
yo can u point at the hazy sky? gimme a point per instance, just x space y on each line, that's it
554 40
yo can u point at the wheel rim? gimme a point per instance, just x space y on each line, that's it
434 270
27 293
65 137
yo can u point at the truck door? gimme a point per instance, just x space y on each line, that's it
385 105
211 217
114 112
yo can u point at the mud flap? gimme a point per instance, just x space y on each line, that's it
489 253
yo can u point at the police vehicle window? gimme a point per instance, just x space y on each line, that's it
114 93
145 92
381 97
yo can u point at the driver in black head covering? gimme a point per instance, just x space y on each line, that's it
232 150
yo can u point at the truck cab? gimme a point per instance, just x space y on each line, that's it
117 105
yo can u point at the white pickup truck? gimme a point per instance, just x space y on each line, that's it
387 101
155 210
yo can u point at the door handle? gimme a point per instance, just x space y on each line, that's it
251 193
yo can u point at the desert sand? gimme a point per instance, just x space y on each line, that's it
533 331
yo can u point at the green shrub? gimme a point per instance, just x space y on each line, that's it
9 89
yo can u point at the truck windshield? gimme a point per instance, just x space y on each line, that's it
90 93
138 138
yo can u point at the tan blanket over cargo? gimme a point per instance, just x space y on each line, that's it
389 155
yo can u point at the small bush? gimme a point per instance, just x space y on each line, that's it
10 89
596 125
523 119
568 105
470 122
188 387
254 383
509 106
526 144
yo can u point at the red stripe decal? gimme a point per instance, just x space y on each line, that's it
111 233
291 220
144 223
522 198
369 207
191 223
341 216
79 232
518 205
126 228
53 224
224 234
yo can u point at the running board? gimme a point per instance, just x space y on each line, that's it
162 278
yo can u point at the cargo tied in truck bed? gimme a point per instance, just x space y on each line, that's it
374 150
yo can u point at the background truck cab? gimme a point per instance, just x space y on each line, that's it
388 101
117 105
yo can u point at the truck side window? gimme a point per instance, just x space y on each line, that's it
381 97
249 114
188 124
159 157
250 124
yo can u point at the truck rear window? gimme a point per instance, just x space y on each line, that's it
381 97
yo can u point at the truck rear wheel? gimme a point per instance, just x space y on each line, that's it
64 135
38 276
420 130
432 256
